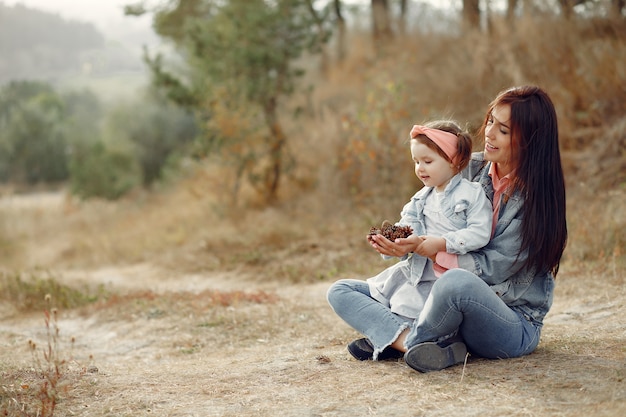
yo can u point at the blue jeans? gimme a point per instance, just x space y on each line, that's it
351 300
459 303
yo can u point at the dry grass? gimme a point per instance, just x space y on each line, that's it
213 309
182 355
186 341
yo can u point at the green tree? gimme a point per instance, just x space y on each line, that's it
157 130
83 117
33 146
240 57
103 171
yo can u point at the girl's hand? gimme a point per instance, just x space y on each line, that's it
398 248
430 246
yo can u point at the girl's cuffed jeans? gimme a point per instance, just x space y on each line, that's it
351 300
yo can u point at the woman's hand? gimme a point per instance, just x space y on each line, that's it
398 248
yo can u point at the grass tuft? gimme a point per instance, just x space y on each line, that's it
37 390
34 292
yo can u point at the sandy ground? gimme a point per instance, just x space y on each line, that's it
170 349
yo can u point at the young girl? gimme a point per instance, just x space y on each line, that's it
448 214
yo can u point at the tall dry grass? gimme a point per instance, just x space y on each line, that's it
581 63
353 165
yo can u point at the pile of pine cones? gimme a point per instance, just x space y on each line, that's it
391 231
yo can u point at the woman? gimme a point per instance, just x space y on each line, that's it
490 302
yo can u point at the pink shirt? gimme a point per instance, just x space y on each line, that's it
499 186
447 260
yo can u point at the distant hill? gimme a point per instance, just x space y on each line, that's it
39 45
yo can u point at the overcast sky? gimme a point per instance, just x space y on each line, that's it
101 11
91 10
107 15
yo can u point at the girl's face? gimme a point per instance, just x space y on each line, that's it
430 167
498 148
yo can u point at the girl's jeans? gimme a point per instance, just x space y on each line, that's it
459 302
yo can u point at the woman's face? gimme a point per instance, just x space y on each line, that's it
498 148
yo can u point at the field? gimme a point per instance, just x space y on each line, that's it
171 339
176 303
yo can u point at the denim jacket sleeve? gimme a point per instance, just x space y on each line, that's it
476 212
500 259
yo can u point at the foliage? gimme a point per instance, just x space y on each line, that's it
98 170
240 55
83 115
32 141
157 130
46 137
373 151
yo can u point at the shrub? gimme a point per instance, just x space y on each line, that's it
98 171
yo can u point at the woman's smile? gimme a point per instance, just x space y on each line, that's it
490 148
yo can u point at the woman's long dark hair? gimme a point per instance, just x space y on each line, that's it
539 174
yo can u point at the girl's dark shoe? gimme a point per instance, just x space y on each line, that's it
431 356
363 350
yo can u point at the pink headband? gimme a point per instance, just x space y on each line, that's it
447 141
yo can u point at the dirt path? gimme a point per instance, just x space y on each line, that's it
169 357
278 350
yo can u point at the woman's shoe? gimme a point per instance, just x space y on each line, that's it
430 356
363 350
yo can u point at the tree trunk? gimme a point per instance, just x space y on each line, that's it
510 10
567 6
617 8
471 14
381 24
319 23
487 13
277 141
404 9
341 31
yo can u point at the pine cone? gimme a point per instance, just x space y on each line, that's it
391 231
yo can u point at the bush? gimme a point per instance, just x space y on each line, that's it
32 141
156 130
98 171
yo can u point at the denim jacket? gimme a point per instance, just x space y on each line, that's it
405 285
499 263
464 205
